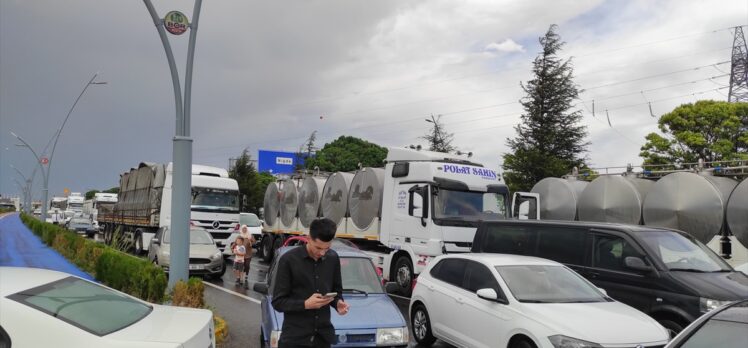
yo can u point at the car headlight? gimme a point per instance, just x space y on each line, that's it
216 256
708 304
560 341
392 336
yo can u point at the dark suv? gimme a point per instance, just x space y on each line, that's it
662 272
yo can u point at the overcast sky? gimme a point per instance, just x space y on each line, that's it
268 73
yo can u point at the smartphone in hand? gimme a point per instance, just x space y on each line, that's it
330 294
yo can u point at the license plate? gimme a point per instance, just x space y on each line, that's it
195 267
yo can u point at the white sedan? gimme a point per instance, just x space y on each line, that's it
494 300
43 308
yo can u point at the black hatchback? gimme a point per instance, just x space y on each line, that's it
662 272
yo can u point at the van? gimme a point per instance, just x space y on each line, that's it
663 272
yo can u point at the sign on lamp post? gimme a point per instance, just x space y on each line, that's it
44 160
176 22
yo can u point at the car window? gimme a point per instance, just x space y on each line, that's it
200 236
719 333
561 244
610 251
479 277
358 273
518 240
679 252
452 271
86 305
548 284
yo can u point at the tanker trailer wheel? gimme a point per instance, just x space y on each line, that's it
404 275
108 234
267 248
138 244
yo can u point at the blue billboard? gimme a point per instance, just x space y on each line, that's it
278 162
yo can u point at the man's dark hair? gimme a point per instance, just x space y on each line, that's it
323 229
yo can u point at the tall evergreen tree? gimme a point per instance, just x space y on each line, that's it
252 184
439 139
550 141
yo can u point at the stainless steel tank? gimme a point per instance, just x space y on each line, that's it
289 201
614 198
334 204
271 204
365 196
310 194
737 212
689 202
558 198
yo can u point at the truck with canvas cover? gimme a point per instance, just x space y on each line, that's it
144 204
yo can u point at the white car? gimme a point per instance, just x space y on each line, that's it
43 308
496 300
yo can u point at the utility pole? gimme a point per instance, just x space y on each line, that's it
738 69
176 23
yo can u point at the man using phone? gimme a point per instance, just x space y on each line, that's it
304 274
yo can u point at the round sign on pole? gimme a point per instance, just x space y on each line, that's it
176 22
44 160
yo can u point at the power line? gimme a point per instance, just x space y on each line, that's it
657 75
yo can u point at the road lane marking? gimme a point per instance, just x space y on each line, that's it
231 292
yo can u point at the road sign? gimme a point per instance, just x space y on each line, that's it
176 22
44 160
277 162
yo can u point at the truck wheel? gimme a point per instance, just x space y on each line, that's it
267 248
138 243
108 235
404 275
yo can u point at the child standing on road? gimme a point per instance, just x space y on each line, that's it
239 252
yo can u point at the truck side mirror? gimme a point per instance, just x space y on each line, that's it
418 205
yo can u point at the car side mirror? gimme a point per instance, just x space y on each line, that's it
391 288
636 263
261 288
155 241
489 294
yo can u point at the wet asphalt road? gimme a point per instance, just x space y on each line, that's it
240 307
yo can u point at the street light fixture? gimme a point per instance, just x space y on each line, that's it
48 161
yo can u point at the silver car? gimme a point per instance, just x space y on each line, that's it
205 258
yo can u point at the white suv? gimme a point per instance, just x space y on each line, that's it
496 300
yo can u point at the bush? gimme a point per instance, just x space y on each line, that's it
116 269
191 294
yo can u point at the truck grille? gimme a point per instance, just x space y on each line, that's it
211 225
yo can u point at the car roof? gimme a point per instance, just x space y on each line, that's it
16 279
340 247
590 224
503 259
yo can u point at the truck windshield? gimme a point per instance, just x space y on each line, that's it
679 253
209 199
469 205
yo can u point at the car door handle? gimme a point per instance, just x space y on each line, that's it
430 287
459 300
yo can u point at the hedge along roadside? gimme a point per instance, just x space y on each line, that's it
115 269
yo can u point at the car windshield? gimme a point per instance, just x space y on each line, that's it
250 220
548 284
358 275
468 205
681 253
197 236
89 306
208 199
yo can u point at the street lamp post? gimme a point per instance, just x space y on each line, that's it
48 161
27 189
182 148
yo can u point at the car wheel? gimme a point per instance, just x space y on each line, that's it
521 343
673 327
267 248
404 275
421 325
